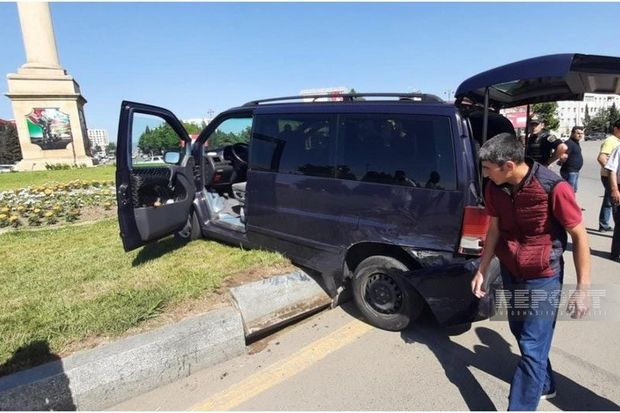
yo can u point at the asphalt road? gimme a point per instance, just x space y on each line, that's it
334 361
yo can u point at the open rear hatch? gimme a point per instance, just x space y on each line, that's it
543 79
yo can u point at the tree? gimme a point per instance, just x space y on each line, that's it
586 118
10 150
599 122
612 116
111 149
97 149
548 111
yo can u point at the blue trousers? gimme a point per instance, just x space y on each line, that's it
571 178
604 216
533 328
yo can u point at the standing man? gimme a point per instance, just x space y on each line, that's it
613 166
607 146
569 156
541 143
531 210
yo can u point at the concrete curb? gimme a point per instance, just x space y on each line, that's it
101 377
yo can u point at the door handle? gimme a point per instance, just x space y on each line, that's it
123 194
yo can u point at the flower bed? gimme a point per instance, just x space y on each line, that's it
54 203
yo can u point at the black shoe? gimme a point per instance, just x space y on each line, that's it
615 258
604 229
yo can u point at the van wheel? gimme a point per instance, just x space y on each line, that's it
383 296
191 231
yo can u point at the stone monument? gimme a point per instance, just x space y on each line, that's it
47 102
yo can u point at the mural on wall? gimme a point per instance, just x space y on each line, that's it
49 128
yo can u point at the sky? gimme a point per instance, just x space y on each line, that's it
194 58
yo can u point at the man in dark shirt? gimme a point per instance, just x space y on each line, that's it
569 156
541 143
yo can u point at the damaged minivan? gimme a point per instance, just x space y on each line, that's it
380 193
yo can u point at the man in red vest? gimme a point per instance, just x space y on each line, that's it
531 210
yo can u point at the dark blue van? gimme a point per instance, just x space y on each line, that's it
370 191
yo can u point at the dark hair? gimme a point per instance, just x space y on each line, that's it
575 128
502 148
617 124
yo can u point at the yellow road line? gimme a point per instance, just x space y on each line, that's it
284 369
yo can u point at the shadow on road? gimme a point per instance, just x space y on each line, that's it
594 231
56 396
493 356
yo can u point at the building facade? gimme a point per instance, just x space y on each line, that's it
98 137
572 113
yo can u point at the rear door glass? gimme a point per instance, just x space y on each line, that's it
408 150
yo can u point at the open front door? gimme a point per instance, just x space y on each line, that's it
154 174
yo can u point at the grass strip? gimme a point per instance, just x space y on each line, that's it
15 180
63 286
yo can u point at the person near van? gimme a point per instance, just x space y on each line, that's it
541 143
569 156
531 209
613 166
608 145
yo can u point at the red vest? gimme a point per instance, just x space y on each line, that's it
531 240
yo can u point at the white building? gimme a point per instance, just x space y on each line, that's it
98 137
333 92
572 113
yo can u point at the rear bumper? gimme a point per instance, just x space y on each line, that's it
447 291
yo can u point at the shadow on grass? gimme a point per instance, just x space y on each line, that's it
16 392
157 249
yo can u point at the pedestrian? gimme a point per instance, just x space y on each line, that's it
608 145
531 209
541 143
569 157
613 166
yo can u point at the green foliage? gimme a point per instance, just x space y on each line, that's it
10 150
111 149
219 138
162 138
587 118
599 122
64 166
612 116
549 111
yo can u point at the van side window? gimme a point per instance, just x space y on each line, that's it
298 144
409 150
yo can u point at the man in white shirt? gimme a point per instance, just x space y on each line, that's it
613 166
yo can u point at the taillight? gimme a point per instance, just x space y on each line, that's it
475 226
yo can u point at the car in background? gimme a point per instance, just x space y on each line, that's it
595 136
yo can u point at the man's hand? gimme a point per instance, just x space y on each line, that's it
615 196
579 303
476 285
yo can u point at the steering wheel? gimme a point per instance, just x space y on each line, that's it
240 151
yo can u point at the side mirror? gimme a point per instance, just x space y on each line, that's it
172 157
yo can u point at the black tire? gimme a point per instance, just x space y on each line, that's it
191 231
383 296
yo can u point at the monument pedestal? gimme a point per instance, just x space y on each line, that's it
53 93
47 102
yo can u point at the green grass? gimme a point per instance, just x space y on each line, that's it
61 287
16 180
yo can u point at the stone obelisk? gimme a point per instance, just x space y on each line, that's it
47 102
